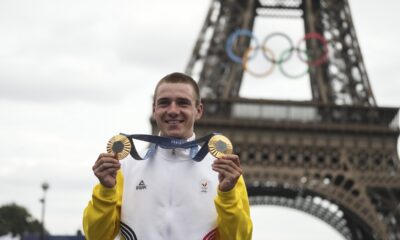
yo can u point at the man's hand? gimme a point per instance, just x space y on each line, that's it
106 168
229 171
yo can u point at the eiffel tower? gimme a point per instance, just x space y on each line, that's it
335 156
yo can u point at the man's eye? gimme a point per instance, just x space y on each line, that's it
162 103
183 102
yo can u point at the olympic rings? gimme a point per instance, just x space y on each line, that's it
246 58
231 40
284 72
268 37
324 54
310 58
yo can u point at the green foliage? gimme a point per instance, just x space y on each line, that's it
17 220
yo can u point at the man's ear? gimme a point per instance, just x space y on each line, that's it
199 109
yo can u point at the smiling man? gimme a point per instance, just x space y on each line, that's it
170 196
176 107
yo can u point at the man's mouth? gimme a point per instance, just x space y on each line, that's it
174 121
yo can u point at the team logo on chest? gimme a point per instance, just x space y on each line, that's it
141 185
204 186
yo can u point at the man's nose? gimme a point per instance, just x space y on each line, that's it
173 108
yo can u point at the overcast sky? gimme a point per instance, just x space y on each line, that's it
73 73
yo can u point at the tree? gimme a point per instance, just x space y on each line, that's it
17 220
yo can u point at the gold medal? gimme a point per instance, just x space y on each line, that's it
219 145
120 146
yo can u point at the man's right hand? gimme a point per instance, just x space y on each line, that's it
106 168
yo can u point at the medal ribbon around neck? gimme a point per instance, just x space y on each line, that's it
121 145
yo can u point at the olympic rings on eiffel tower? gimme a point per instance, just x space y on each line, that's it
309 57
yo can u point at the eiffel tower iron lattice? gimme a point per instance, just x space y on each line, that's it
335 156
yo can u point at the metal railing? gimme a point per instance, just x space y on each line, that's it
301 112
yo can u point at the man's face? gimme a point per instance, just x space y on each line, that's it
175 109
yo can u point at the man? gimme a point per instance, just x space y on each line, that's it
170 196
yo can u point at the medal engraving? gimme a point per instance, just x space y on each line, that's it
220 145
120 146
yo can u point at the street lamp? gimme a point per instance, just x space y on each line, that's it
45 186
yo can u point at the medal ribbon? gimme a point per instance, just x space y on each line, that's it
170 143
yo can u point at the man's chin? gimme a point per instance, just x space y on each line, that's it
174 134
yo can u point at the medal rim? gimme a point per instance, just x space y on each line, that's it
125 151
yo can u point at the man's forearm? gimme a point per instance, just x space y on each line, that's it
234 222
101 218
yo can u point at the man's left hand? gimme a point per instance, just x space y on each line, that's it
229 171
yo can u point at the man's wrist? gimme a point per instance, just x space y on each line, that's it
106 192
228 196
